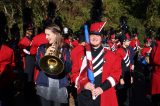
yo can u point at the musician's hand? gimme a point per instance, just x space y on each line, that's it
50 50
97 91
132 67
83 43
131 80
89 86
122 81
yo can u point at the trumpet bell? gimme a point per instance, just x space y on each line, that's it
51 65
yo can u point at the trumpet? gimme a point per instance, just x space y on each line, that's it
51 64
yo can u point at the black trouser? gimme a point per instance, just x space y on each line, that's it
124 96
44 102
85 99
73 91
29 67
156 100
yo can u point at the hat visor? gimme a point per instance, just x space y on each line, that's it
95 33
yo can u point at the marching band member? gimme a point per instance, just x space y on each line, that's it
7 76
28 60
135 43
124 52
144 62
112 43
52 89
146 50
6 58
106 67
155 73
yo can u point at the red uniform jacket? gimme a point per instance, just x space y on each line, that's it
135 44
23 44
75 43
68 41
6 58
123 54
7 64
155 61
111 71
146 50
37 41
113 46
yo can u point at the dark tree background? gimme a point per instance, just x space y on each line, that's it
141 14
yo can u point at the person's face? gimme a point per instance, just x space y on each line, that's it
136 37
126 43
70 37
50 36
29 32
113 39
95 40
148 44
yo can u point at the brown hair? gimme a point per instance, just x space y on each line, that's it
54 28
59 39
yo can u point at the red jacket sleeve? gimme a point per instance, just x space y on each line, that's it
76 58
24 42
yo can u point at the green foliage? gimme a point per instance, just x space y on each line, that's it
141 14
75 14
153 14
113 10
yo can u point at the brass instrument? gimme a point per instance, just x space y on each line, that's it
51 64
147 59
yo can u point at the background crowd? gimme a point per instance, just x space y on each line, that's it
138 84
